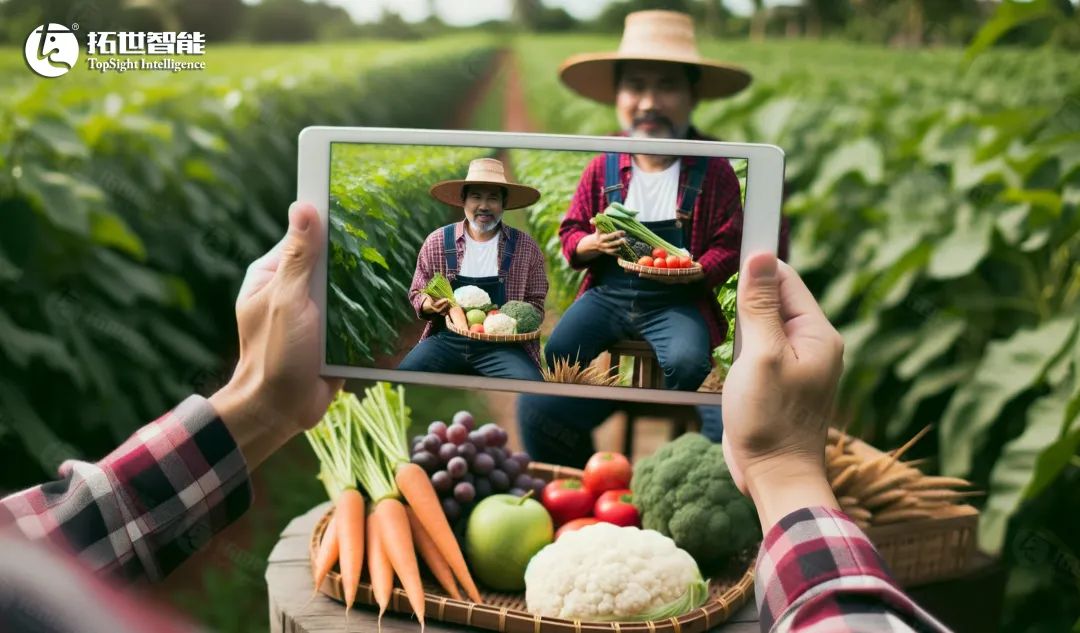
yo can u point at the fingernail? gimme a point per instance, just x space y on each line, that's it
762 267
304 223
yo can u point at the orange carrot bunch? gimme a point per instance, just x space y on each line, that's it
362 445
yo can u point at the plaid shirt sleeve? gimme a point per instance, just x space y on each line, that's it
149 504
587 198
817 572
425 271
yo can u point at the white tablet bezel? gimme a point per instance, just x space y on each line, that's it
761 227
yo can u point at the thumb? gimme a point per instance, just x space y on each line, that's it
758 305
302 247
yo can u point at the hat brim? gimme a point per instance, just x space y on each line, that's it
517 196
592 75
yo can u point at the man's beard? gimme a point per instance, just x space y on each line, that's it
665 128
488 227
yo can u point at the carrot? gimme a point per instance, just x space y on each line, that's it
457 316
328 553
382 575
416 487
430 553
395 539
350 536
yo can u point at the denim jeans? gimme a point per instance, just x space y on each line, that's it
449 353
558 429
602 316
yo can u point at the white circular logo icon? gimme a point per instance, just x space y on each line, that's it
51 50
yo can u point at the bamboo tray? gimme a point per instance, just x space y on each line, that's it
493 338
505 612
693 271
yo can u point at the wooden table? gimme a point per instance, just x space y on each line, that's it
288 584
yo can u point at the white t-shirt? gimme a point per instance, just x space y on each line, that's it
481 258
654 194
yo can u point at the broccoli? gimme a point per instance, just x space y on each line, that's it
684 491
526 314
640 248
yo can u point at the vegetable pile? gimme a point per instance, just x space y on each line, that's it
472 310
684 491
361 448
643 247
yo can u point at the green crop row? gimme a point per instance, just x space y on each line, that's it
935 215
129 215
380 214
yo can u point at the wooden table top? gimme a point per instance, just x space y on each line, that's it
288 584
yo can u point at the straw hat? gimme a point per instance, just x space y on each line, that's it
485 171
665 36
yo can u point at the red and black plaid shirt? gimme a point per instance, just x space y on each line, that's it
715 226
525 281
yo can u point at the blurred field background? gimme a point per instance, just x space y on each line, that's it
933 184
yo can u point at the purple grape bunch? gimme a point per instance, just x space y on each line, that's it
467 463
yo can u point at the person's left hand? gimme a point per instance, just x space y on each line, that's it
276 390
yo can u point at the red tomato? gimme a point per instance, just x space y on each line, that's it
617 506
576 524
658 253
684 262
566 500
477 327
645 261
491 312
607 471
660 263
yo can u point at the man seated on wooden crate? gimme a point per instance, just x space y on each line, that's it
655 81
479 251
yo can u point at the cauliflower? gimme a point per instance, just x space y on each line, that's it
684 491
472 298
526 314
500 324
609 573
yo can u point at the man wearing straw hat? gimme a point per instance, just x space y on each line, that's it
654 80
478 251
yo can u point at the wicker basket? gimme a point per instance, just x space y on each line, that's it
505 612
924 550
493 338
693 271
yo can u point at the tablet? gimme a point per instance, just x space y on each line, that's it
567 265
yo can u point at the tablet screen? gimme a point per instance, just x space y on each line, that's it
533 265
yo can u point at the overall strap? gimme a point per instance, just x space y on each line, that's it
692 188
450 248
613 188
508 252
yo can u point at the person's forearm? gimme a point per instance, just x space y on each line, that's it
779 489
179 479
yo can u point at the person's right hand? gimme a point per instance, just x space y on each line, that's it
432 306
778 396
599 243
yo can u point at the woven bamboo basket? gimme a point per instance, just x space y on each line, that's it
661 272
505 612
924 550
493 338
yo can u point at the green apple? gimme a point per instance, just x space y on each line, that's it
475 317
503 534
